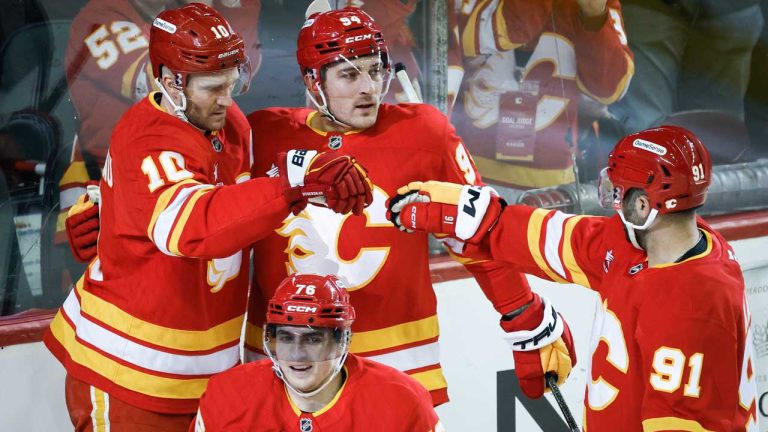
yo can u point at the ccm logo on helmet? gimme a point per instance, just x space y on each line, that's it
357 38
293 308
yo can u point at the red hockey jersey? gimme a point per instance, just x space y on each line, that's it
373 398
566 57
161 307
671 344
385 270
108 70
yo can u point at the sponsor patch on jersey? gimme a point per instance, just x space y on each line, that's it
334 142
164 25
649 146
636 269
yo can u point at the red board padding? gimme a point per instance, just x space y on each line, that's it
29 326
25 327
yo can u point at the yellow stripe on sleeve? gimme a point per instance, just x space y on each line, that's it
672 423
163 202
431 379
577 274
468 37
535 231
181 222
620 88
502 35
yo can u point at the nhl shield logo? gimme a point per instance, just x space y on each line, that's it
217 145
305 425
334 143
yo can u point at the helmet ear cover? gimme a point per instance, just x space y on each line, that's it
669 163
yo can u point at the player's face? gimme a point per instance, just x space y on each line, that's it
353 89
306 356
208 97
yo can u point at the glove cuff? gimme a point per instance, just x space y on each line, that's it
548 331
295 166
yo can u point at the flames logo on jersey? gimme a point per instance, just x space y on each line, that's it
222 270
313 244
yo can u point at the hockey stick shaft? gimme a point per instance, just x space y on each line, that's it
551 379
406 84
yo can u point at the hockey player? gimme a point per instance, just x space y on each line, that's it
672 343
161 307
344 60
310 382
108 70
527 63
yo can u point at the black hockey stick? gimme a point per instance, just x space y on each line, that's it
551 379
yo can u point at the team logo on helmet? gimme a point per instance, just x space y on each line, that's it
671 203
305 425
334 143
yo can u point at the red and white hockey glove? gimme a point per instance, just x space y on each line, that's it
461 211
541 342
329 179
82 225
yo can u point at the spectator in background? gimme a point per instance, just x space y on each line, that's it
108 70
756 99
689 54
527 63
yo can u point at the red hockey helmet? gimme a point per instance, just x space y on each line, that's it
329 37
193 39
669 163
311 300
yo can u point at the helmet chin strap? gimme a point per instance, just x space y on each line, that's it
632 227
336 368
177 110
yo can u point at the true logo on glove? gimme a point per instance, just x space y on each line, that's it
542 335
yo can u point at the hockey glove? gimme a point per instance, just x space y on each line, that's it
330 180
541 342
461 211
82 225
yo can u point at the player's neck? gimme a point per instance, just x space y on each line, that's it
325 124
321 400
667 241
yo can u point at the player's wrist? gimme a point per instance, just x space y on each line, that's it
538 325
